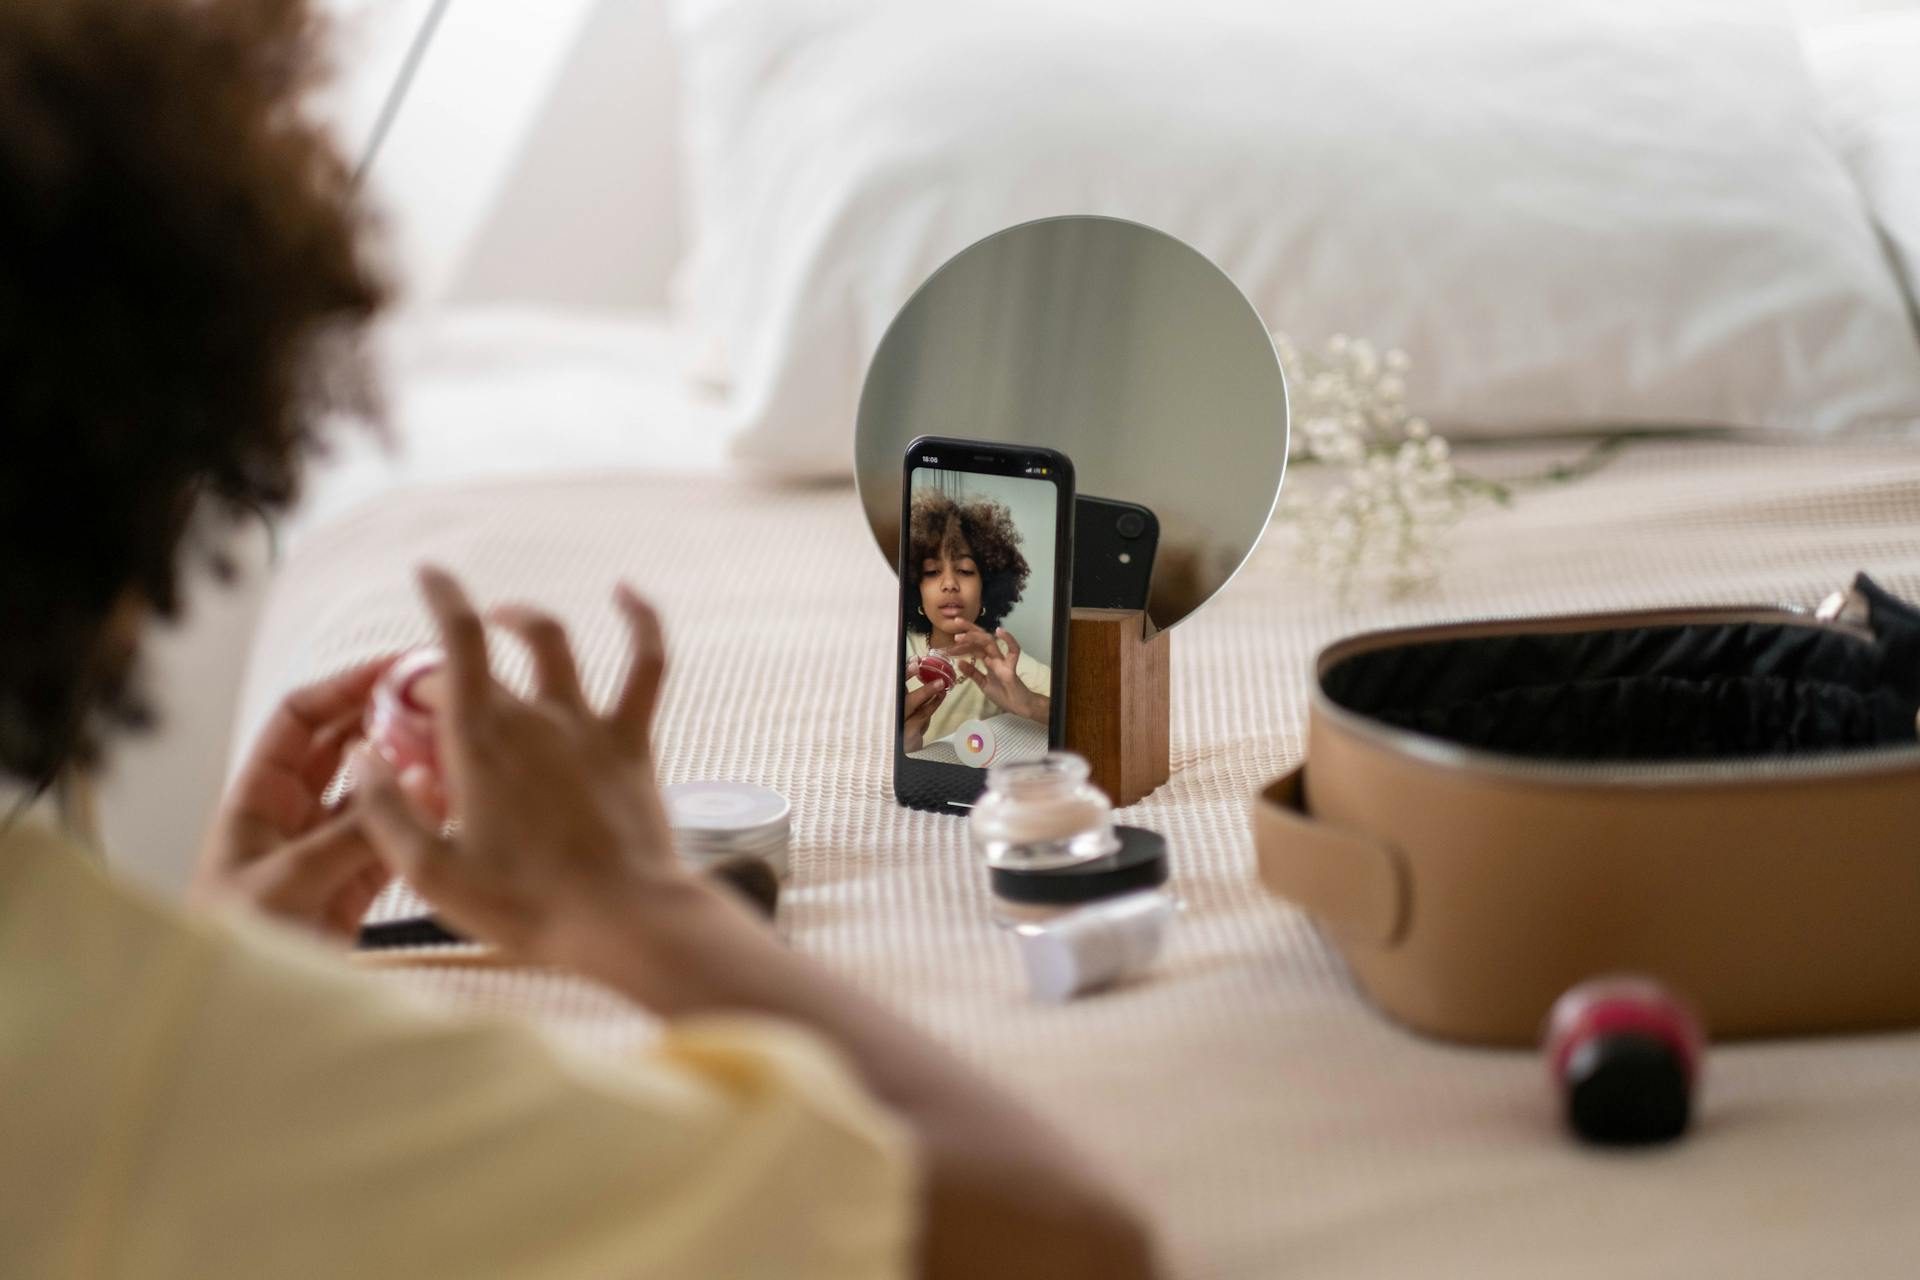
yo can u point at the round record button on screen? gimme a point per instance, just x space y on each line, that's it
976 743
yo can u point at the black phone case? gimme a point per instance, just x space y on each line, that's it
947 788
1104 531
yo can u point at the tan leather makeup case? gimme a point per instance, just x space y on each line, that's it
1725 798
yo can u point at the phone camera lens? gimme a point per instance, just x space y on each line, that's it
1131 524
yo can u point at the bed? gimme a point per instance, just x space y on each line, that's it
1270 1120
1725 271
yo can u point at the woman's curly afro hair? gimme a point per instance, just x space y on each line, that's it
984 528
182 280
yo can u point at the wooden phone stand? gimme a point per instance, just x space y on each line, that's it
1117 686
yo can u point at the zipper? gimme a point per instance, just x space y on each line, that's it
1845 612
1847 608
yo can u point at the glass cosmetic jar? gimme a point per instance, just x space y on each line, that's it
715 821
936 668
1039 814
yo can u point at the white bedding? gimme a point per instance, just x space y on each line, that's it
1577 214
1867 67
1272 1122
519 392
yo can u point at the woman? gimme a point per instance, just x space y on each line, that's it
971 574
182 280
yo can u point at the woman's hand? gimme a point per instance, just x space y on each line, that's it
562 859
561 825
274 845
921 704
979 657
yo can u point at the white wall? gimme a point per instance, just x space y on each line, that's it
1817 11
590 213
533 158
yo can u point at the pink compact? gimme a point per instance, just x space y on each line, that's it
1625 1055
937 668
400 716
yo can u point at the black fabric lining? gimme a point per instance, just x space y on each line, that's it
1704 691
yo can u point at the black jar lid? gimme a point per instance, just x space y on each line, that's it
1139 863
1627 1090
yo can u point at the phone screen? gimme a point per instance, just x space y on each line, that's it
983 614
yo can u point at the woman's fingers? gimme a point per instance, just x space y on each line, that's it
977 639
324 700
464 638
329 749
632 715
300 724
463 635
303 875
1013 646
968 639
422 786
555 676
349 904
397 833
923 700
275 804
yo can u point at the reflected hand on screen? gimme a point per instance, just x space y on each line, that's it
992 660
921 704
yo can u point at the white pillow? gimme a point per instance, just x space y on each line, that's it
1868 72
1571 214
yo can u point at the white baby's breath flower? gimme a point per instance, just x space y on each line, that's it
1399 496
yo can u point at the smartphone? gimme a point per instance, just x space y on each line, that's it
1113 548
986 590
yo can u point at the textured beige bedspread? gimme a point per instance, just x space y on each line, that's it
1274 1123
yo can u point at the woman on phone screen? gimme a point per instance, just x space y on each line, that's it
966 555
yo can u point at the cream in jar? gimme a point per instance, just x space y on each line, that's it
1040 814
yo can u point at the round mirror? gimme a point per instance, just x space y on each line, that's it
1120 347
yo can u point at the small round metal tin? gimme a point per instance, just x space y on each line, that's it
714 821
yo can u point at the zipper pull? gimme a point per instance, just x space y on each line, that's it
1871 607
1849 607
1855 608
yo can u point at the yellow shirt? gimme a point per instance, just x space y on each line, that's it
965 701
187 1098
